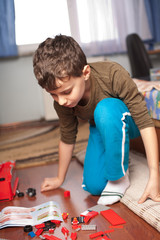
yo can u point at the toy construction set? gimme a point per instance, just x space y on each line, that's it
41 221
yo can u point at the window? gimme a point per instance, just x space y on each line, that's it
35 20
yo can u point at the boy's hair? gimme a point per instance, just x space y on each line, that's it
57 58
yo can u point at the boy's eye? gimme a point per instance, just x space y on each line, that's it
52 94
67 91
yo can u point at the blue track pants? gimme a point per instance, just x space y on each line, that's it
107 154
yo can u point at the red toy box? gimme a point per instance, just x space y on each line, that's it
8 181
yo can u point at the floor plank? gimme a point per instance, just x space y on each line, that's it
135 227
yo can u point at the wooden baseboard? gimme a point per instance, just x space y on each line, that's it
27 124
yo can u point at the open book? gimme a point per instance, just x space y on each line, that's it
20 216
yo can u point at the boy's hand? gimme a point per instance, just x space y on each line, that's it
50 184
152 191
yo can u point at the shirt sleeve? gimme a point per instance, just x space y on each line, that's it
126 90
68 123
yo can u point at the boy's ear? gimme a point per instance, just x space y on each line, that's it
86 72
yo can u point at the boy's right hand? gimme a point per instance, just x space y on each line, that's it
50 184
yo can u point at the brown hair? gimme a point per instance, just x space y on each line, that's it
57 58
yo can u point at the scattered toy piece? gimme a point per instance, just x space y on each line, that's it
28 228
65 231
97 234
88 227
42 225
65 215
74 236
57 222
74 221
89 215
49 237
39 231
31 192
51 230
67 194
112 217
31 234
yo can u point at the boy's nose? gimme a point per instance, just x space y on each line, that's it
62 101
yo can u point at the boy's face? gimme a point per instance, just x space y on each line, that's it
71 90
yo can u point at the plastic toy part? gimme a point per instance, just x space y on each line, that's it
57 222
51 230
67 194
19 194
8 181
65 231
39 231
73 236
31 234
97 234
112 217
42 225
89 215
28 228
31 192
48 237
65 215
88 227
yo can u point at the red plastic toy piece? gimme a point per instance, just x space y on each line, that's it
42 225
112 217
65 215
48 237
8 181
39 231
74 236
51 230
75 221
97 234
67 194
89 215
65 231
57 222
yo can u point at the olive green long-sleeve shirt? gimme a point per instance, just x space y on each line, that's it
108 80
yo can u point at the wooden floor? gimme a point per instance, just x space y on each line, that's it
135 227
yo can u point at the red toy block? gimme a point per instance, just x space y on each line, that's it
48 237
89 215
57 222
8 181
39 231
65 231
42 225
65 215
74 236
67 194
51 230
112 217
97 234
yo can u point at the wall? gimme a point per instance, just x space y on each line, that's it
22 99
20 96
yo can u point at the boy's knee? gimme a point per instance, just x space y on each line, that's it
94 186
108 109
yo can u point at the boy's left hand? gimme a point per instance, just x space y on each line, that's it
152 191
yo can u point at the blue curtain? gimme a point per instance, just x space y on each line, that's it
8 45
153 13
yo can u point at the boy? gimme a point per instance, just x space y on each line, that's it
104 94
